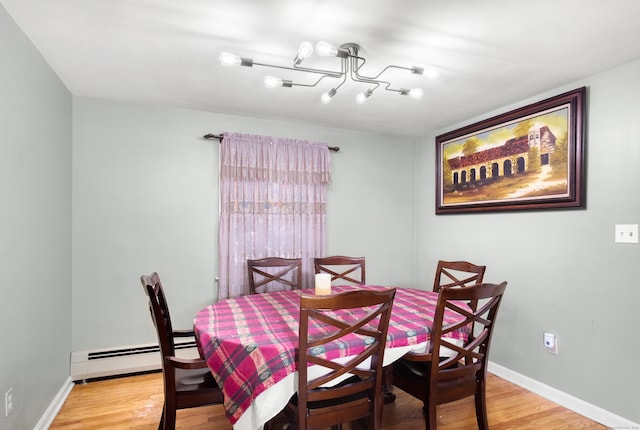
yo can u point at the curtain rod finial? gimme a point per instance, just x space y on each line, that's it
213 136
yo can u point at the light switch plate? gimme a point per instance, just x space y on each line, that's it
626 233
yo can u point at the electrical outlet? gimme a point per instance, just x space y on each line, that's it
8 402
551 343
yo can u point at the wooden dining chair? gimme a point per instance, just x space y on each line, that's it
188 383
330 399
348 269
462 371
449 274
458 274
274 274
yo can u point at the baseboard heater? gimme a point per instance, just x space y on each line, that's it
120 361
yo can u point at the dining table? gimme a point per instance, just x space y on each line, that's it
250 344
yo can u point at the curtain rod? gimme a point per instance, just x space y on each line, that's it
220 137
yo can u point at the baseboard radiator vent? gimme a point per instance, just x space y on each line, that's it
126 360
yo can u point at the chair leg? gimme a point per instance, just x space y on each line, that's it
169 418
387 385
375 420
431 417
161 425
481 407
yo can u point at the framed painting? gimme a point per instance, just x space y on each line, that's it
527 159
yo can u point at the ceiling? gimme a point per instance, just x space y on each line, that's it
489 53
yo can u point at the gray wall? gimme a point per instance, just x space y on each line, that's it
35 229
565 272
145 199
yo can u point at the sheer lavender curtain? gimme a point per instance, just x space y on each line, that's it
272 204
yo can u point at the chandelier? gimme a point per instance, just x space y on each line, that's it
350 64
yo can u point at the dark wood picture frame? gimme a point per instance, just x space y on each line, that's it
526 159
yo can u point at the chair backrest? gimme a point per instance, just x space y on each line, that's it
159 313
348 269
274 274
322 323
457 376
458 274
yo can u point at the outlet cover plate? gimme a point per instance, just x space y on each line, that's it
626 233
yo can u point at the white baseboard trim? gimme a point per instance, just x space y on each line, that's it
54 407
574 404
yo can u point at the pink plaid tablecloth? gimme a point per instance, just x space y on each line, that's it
250 342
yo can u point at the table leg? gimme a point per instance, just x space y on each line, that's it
387 385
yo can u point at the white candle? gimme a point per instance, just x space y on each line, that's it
323 284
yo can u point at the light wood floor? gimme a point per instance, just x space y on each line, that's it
135 403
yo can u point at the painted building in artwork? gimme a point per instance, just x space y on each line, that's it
505 160
545 140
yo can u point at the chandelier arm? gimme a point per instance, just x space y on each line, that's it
387 68
355 67
375 78
345 69
344 79
375 82
342 75
358 78
371 79
366 80
355 59
402 91
302 69
317 82
393 89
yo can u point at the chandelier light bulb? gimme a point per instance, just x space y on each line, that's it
326 97
228 59
305 50
416 93
432 74
272 82
362 97
326 49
